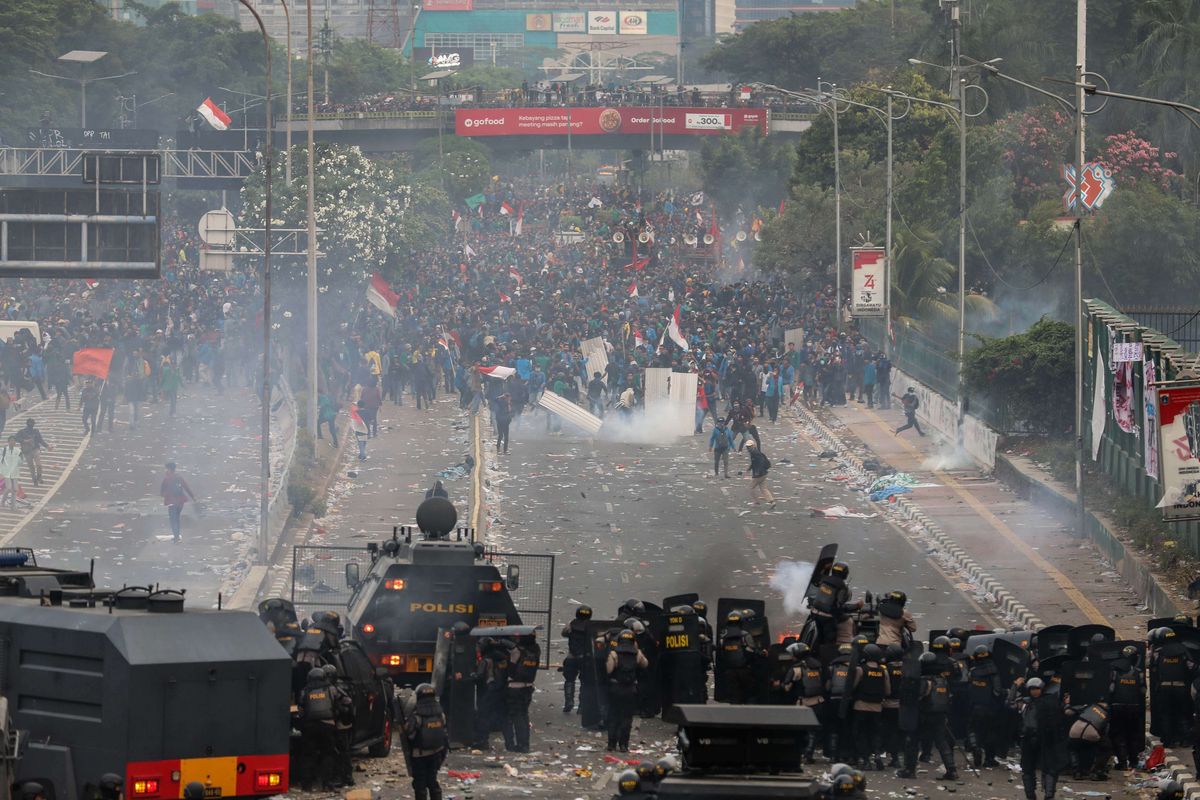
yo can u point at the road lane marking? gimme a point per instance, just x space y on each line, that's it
477 481
62 478
1061 580
609 507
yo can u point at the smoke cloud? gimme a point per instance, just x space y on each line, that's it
656 426
791 579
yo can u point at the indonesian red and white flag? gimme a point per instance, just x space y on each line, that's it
505 208
520 220
638 263
516 276
676 332
456 218
357 425
633 292
468 251
92 283
213 114
499 373
504 298
638 339
380 295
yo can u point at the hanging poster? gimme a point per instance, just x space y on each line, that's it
1150 416
1123 396
1179 444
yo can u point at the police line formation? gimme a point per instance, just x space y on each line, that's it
1069 700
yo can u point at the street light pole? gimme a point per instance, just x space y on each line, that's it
887 284
287 153
1080 154
311 247
264 505
962 252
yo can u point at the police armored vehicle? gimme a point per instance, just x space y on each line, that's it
414 588
128 685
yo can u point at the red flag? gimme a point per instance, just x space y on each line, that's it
516 276
94 361
92 283
781 202
380 295
505 208
713 230
497 372
504 298
638 263
214 115
676 332
520 220
357 425
457 339
633 292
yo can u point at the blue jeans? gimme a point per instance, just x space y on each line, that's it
173 514
362 446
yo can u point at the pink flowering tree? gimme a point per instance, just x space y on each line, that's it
1132 159
1035 144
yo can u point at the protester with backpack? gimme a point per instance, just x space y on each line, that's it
911 403
175 492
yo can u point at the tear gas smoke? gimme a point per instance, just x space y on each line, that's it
791 579
656 426
949 455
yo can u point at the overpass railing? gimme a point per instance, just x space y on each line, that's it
52 162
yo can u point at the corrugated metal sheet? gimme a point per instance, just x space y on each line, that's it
572 413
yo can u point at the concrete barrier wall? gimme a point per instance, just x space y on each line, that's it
941 414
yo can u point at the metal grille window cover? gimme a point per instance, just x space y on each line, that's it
534 598
319 575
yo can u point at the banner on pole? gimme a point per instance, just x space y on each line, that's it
868 277
1179 449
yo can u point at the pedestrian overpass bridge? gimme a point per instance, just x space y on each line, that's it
502 129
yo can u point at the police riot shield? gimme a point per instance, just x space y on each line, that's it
276 612
1169 622
406 704
779 664
459 693
1190 637
756 626
910 688
1051 669
593 702
1011 660
848 698
683 668
1086 681
1111 651
1053 641
679 600
1081 635
821 568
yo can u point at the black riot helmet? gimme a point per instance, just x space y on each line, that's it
872 652
861 641
1171 790
899 598
840 769
645 771
193 791
317 677
629 782
1184 618
840 570
955 645
31 790
981 653
111 786
798 650
330 672
686 611
1166 634
860 780
636 626
1154 637
894 652
1130 652
843 786
734 618
845 649
1098 638
1035 683
700 607
626 637
929 663
664 767
583 612
426 691
940 645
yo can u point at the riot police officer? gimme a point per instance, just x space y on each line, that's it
1089 726
344 719
578 649
806 683
1042 736
830 606
318 728
872 684
985 696
428 741
896 623
524 658
1171 675
934 705
1127 694
839 683
736 658
492 686
706 642
892 736
622 668
631 608
649 699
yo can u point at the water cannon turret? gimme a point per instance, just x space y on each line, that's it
436 517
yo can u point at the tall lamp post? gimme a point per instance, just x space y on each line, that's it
82 57
265 468
960 115
287 153
314 377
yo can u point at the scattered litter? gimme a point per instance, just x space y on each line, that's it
840 512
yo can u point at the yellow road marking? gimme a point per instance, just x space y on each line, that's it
1062 581
477 479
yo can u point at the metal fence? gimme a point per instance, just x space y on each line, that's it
278 507
1180 324
319 575
931 362
534 598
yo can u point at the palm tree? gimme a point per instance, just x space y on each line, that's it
1168 56
921 296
